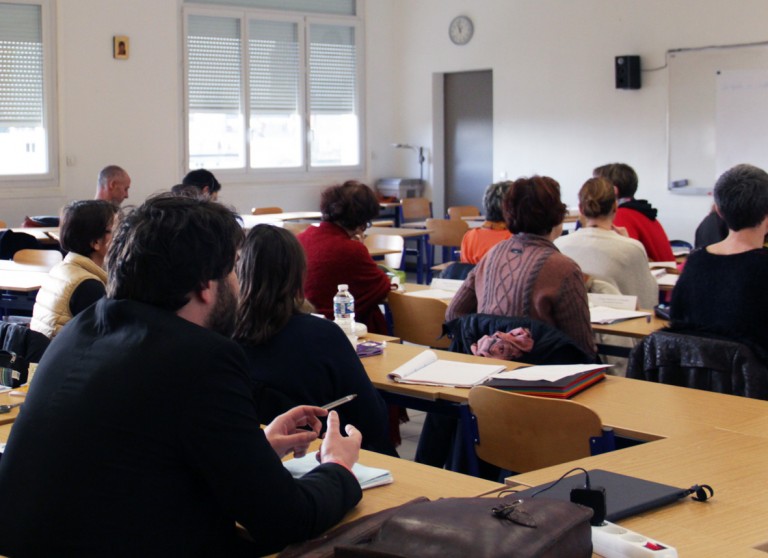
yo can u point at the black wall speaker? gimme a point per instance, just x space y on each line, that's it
628 72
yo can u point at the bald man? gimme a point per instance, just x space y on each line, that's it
113 184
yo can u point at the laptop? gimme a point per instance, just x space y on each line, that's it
624 495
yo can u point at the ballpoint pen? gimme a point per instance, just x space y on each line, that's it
334 404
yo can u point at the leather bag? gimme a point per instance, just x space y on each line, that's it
462 527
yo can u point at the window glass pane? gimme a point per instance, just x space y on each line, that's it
337 7
275 122
216 121
332 96
23 139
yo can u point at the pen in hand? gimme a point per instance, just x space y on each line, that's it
334 404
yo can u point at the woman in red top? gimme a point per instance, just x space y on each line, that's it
336 255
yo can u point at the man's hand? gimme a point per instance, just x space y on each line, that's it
295 430
339 449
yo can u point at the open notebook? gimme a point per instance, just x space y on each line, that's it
426 368
368 477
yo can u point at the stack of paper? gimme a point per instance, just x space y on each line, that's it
426 368
605 315
368 477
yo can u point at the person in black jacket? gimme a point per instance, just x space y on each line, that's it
140 436
295 357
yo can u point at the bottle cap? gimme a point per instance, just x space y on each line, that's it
343 287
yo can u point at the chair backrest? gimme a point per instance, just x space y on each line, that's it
459 211
446 232
418 320
266 210
11 242
415 209
522 433
390 242
41 258
711 364
551 346
296 228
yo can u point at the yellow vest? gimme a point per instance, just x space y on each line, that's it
51 310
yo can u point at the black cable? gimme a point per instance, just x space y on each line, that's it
586 483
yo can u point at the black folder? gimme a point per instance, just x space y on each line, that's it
624 495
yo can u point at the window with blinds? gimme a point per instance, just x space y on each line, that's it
272 92
23 136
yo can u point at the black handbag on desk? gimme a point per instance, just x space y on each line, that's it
461 527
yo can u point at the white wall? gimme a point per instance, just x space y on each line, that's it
556 110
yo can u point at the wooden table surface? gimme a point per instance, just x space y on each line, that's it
731 524
21 280
636 327
44 235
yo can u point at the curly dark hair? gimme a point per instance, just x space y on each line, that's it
532 205
169 247
349 205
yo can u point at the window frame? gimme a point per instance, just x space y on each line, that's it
42 184
305 172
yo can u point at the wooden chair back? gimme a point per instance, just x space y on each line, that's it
418 320
266 210
40 258
296 228
523 433
446 232
459 211
388 241
415 209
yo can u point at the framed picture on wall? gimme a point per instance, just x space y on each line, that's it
120 47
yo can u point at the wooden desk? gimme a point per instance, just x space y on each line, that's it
44 235
250 221
10 265
413 480
731 524
8 418
636 327
21 280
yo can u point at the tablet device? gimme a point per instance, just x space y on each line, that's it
625 496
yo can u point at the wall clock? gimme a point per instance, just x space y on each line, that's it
461 30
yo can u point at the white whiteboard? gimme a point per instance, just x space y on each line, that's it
718 113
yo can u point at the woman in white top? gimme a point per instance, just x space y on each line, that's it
604 251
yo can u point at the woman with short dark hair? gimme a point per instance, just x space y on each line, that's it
78 281
335 255
293 357
722 287
477 242
526 275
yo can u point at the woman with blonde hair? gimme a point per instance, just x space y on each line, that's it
604 251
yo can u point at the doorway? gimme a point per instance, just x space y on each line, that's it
468 136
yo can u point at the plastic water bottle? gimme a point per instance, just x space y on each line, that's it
344 309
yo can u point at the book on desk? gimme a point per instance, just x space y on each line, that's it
560 381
